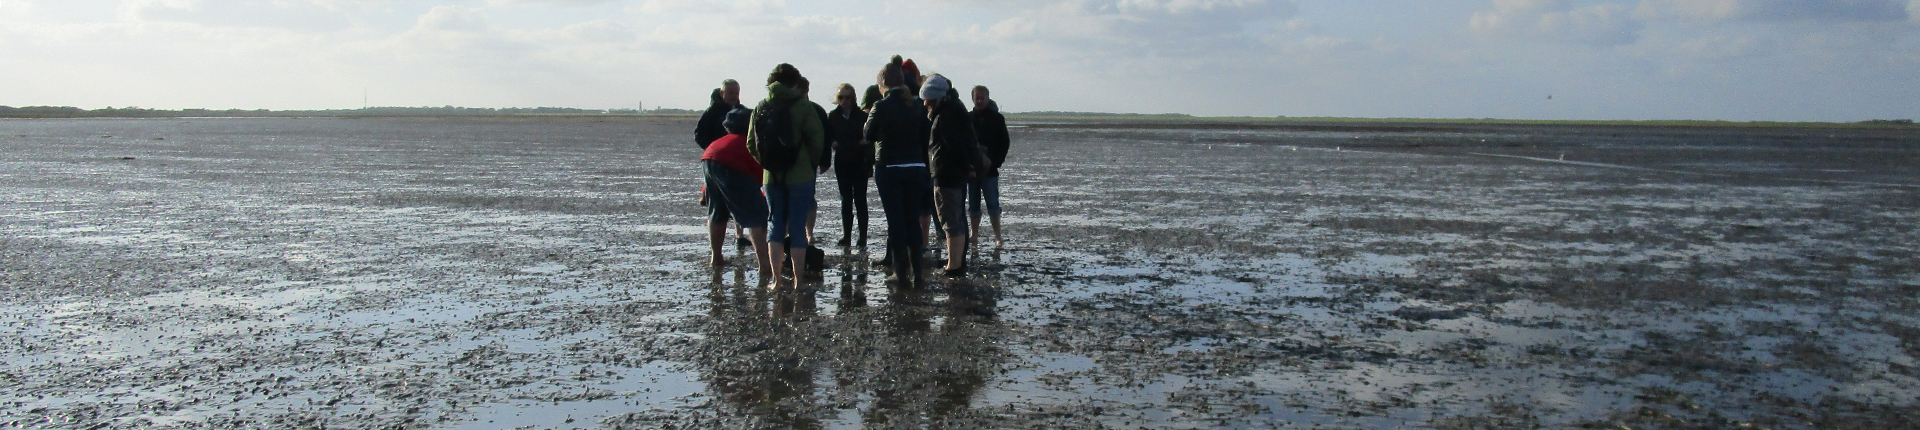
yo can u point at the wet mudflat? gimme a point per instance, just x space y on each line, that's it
549 273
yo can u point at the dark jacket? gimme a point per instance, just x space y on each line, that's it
990 127
826 126
709 127
897 130
954 153
852 155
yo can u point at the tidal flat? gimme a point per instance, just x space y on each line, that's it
550 272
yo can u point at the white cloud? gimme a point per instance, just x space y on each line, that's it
1556 21
1775 10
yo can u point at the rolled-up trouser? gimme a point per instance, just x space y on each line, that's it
903 194
987 189
788 206
951 205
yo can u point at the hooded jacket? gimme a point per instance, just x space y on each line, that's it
807 124
990 128
709 127
897 129
954 151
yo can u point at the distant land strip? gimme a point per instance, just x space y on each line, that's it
1163 120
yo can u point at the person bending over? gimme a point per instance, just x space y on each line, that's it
733 181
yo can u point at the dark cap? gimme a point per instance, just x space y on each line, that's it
737 120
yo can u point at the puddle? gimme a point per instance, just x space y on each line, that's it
1194 278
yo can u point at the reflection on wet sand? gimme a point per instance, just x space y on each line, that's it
920 356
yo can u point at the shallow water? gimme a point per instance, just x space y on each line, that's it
550 273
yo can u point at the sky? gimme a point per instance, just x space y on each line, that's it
1741 60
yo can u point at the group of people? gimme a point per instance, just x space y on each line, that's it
934 162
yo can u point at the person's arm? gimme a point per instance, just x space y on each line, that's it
827 129
703 131
1001 138
753 144
874 128
813 132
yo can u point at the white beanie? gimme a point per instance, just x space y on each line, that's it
935 88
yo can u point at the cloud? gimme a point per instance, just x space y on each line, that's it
1775 10
1557 21
297 15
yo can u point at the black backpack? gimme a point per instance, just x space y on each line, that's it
777 148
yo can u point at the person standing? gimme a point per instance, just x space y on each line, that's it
954 157
990 128
826 151
896 129
723 100
786 136
733 180
853 163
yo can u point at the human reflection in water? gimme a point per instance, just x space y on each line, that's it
916 359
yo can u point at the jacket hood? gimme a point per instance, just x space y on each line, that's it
991 106
780 92
717 99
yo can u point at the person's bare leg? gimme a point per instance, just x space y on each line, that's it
716 236
974 222
997 240
810 217
777 253
956 251
759 237
799 265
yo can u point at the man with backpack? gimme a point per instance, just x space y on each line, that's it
786 137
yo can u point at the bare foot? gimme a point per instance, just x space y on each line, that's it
718 261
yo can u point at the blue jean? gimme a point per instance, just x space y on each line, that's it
789 205
987 188
904 197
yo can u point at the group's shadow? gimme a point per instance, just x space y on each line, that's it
912 356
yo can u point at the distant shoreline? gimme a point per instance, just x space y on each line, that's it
1167 119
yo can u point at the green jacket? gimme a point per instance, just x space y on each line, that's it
807 122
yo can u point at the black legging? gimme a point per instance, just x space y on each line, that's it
853 198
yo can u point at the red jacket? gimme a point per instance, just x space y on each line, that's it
731 151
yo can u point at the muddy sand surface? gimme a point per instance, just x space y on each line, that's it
471 273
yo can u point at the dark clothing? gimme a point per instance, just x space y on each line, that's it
897 130
734 195
950 207
870 97
852 154
710 127
853 207
990 128
826 125
954 154
903 191
853 165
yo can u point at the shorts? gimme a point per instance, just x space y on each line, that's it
734 195
951 205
